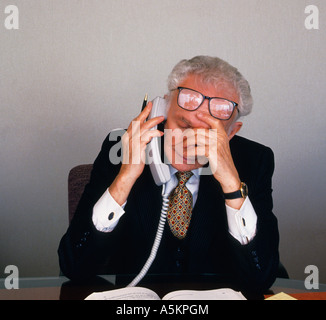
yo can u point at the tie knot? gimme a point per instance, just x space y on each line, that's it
183 177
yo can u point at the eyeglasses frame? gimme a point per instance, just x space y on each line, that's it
235 105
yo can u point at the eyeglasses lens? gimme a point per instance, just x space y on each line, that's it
189 99
221 109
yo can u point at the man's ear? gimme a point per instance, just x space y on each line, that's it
234 129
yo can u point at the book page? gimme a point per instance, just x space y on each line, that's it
217 294
132 293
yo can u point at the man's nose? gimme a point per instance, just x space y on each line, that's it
204 106
197 123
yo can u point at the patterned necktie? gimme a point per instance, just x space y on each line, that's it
180 206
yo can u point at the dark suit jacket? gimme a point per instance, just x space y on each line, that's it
208 247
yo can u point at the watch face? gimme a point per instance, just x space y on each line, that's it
244 190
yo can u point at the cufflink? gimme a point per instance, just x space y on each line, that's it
111 215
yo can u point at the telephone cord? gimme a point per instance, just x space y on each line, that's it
157 240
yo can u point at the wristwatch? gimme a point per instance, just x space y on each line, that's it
242 193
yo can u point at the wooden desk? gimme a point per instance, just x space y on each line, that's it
306 296
309 296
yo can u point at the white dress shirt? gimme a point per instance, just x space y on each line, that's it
242 223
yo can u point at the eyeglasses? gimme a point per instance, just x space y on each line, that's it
219 108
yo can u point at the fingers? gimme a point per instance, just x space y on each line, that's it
194 137
139 133
142 117
211 121
140 120
152 122
145 113
148 135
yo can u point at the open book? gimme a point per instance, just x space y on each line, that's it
139 293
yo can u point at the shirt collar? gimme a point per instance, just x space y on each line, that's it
196 172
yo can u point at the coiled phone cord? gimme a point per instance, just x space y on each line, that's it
157 240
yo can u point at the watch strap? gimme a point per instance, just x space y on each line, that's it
241 193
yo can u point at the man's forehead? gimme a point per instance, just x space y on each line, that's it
220 84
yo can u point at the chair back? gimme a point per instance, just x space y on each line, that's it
78 177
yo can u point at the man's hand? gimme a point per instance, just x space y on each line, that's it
214 144
134 142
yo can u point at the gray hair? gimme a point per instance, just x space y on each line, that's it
213 70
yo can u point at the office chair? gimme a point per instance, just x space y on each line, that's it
78 178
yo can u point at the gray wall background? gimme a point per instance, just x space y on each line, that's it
76 69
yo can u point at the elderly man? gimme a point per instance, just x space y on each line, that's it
220 223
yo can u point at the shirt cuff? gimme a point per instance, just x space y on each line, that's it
106 213
243 222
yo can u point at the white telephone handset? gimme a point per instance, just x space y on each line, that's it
160 171
161 175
